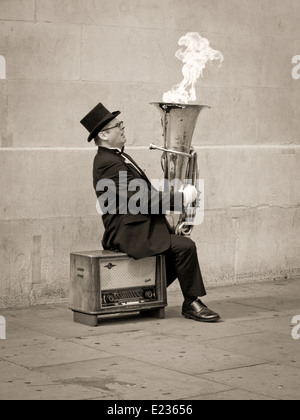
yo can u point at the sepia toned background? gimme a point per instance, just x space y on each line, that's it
62 57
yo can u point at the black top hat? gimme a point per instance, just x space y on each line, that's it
96 119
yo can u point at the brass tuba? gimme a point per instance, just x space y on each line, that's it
179 160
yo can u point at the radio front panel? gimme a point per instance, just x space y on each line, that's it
104 282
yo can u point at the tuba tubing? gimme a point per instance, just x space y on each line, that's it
179 158
176 152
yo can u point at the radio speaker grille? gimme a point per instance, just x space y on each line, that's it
127 273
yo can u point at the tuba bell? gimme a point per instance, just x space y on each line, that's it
179 160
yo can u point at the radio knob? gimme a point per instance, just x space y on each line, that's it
110 298
148 294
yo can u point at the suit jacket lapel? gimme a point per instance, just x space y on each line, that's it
135 164
130 167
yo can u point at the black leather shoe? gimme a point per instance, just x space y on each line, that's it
198 311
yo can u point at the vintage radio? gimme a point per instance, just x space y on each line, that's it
106 283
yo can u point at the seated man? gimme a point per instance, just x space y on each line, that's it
142 234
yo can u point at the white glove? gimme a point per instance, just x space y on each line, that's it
189 194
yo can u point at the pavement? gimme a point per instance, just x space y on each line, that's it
253 353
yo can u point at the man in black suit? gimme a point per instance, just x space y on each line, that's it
142 231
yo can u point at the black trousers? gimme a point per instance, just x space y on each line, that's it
182 263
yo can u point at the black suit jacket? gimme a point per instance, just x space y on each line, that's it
138 235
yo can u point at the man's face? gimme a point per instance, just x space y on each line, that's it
114 133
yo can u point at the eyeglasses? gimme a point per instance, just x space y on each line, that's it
119 125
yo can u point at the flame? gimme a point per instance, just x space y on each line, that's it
194 53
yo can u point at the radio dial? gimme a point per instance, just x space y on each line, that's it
110 298
148 294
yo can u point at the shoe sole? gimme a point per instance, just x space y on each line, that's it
201 320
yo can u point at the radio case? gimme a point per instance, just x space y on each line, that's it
112 283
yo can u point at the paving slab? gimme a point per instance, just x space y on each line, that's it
272 287
169 352
266 345
277 285
125 378
49 353
19 383
278 324
281 303
229 310
59 323
239 310
235 394
20 334
270 380
199 332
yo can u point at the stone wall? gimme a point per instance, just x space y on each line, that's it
61 57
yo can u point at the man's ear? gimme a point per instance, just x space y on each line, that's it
103 136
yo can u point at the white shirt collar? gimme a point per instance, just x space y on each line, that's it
113 148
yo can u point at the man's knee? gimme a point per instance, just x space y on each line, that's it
190 245
182 245
186 244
